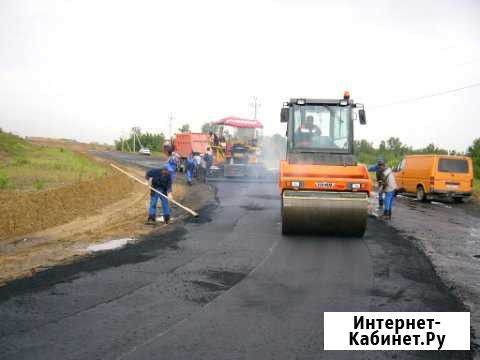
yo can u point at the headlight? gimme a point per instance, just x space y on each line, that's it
297 184
355 186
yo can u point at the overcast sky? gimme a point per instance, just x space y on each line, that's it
90 70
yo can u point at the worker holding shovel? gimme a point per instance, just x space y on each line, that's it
160 180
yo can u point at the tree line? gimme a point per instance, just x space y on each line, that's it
153 141
150 140
392 150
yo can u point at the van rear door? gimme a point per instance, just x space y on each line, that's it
453 174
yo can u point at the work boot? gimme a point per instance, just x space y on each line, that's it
150 220
387 215
166 218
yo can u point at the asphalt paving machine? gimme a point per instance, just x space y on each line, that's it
236 148
323 188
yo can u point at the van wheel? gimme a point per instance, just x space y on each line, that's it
421 196
458 200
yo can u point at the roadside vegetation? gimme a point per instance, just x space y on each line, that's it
476 188
137 139
25 166
152 141
392 151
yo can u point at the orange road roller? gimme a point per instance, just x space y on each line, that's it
323 188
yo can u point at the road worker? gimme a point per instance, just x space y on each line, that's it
379 178
208 158
190 166
172 169
198 160
389 188
160 180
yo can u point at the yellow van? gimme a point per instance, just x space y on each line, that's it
431 176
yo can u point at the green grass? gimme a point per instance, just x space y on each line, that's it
24 166
158 154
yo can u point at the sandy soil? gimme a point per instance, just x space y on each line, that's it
25 212
23 255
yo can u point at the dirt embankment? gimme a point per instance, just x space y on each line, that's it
93 212
27 212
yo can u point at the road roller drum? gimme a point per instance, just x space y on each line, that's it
324 212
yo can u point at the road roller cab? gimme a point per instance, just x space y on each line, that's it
324 190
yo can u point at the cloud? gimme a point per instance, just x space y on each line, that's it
92 69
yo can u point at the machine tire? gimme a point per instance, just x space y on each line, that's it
421 196
458 200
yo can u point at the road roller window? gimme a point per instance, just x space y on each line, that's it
322 127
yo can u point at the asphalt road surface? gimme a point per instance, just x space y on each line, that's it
227 285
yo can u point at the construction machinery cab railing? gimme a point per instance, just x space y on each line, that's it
323 187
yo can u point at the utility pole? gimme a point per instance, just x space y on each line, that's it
134 132
255 104
138 138
170 120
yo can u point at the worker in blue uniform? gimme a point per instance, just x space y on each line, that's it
190 166
161 181
172 169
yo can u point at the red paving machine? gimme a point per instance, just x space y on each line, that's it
236 148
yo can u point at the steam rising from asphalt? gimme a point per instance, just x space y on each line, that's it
273 150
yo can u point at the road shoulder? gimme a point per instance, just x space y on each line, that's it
449 235
22 256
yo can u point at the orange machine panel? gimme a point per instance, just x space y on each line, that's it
324 177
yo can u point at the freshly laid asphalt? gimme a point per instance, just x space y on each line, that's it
227 285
